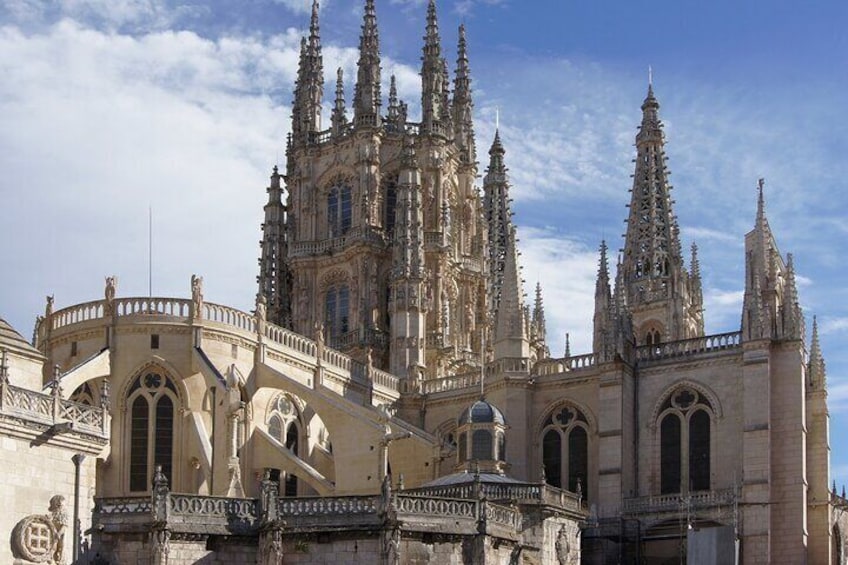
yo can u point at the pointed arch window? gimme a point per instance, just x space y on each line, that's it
339 211
284 425
152 399
565 450
336 312
685 442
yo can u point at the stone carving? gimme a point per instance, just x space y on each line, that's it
197 296
48 308
565 553
160 546
59 518
109 295
40 538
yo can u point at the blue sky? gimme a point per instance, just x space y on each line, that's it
110 107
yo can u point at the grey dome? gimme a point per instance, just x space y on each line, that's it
481 412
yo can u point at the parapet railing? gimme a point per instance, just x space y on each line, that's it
705 344
285 342
566 364
519 492
52 409
679 503
365 234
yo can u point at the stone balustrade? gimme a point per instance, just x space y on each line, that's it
689 347
566 364
362 234
284 342
526 493
453 382
674 503
52 409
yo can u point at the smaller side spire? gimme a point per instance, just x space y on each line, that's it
462 103
537 325
603 306
816 370
338 118
367 99
511 339
792 317
432 74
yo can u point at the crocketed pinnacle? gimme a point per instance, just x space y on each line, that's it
339 117
432 73
366 102
496 207
817 371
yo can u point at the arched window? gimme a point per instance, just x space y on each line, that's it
699 451
336 313
552 457
284 425
565 449
339 211
578 459
684 442
152 398
501 447
670 454
481 445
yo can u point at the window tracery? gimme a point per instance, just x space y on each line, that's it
286 426
339 210
685 452
565 449
152 399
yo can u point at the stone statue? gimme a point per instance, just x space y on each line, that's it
59 519
48 309
109 295
197 296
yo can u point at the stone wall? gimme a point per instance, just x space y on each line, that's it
33 473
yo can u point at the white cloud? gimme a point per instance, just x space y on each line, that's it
829 325
567 270
302 6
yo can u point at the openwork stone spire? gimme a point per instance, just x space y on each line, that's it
309 90
511 339
339 117
273 276
366 100
655 278
432 75
462 103
496 206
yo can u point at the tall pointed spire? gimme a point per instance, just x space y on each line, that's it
366 100
511 339
339 117
273 276
817 371
309 90
603 305
760 299
654 275
432 74
496 206
462 103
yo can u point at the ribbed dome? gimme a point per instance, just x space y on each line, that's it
481 412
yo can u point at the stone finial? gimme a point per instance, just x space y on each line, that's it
55 383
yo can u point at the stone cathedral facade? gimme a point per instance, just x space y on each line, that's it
391 398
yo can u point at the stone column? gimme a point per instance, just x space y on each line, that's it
160 535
